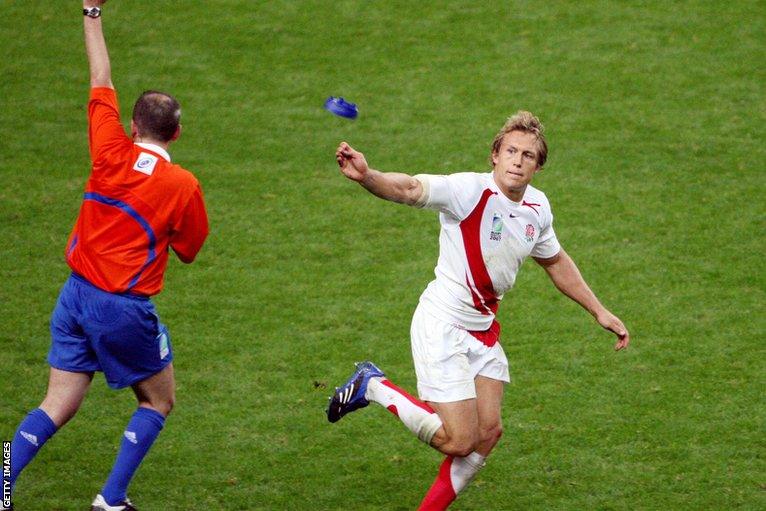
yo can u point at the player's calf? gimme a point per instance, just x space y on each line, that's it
460 434
368 383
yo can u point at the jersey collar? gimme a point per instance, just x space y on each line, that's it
156 149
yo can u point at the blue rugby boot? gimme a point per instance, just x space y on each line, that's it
350 396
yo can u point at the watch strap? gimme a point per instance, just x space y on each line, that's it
91 12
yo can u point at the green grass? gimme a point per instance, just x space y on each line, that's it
654 115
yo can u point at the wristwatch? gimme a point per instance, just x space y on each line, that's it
92 12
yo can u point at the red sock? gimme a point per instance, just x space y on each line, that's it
441 494
454 475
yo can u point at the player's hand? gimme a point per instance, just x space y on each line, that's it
612 323
351 162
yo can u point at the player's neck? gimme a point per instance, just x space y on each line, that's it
514 195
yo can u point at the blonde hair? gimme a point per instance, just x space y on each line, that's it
528 123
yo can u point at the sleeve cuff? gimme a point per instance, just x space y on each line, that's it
426 192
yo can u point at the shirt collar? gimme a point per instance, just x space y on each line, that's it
155 148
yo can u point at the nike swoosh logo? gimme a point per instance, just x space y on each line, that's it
512 215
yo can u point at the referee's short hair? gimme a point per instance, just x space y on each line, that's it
157 115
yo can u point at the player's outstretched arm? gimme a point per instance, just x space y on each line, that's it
392 186
95 47
564 273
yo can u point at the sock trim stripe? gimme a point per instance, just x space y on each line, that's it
414 401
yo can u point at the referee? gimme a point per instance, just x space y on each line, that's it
137 205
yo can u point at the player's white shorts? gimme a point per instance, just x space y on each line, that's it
448 358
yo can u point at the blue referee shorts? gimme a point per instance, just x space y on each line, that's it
118 334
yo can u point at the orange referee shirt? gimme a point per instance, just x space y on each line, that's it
137 205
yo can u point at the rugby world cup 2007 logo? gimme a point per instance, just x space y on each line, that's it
529 232
497 227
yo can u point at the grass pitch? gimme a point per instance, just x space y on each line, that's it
655 116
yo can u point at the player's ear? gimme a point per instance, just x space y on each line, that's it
176 134
133 129
494 158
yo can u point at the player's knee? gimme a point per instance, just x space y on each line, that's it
463 445
463 450
491 433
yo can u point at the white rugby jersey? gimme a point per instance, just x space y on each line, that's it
484 238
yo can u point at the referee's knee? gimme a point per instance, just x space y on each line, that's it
162 406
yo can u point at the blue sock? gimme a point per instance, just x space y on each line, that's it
139 436
32 433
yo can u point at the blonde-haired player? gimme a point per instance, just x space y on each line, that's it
490 223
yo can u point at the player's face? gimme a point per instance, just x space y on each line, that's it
515 163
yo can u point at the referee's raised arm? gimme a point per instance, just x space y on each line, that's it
95 45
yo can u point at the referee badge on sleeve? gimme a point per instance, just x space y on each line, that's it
145 163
